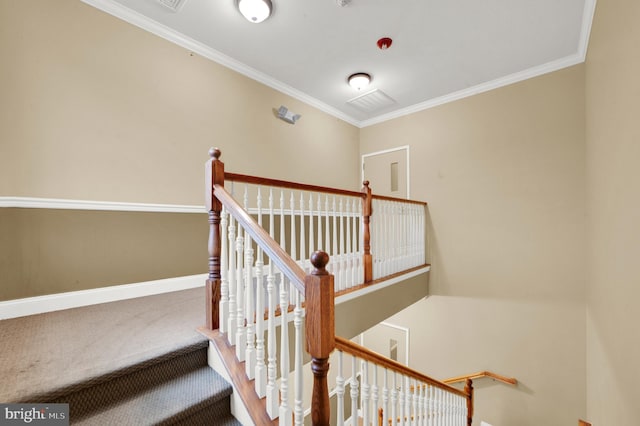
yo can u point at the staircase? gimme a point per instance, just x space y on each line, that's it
176 388
132 362
280 256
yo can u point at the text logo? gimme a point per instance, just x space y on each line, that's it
34 414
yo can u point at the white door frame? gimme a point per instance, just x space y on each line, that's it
407 340
384 151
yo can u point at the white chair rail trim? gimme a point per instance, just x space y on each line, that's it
67 204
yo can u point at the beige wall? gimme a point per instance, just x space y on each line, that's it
613 182
503 173
94 108
55 251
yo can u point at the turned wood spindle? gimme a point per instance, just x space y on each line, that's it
366 232
468 389
214 175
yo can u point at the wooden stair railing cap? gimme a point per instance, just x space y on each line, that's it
481 374
281 258
368 355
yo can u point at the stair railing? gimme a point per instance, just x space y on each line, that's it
480 375
264 273
385 392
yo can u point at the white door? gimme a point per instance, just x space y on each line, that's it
387 172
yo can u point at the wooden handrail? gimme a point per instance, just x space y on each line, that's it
481 374
367 355
403 200
276 254
256 180
236 177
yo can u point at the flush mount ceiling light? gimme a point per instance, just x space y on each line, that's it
359 80
255 11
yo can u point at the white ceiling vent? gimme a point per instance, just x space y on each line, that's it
173 5
373 101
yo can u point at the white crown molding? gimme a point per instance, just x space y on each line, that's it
74 299
174 36
64 204
141 21
480 88
577 58
585 32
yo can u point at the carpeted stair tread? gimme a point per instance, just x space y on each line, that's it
169 403
195 352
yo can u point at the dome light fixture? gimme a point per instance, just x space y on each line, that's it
359 80
255 11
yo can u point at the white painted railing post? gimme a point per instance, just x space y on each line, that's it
353 386
285 408
272 390
261 372
365 393
241 341
224 272
340 391
233 291
297 322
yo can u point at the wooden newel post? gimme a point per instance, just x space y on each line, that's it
320 332
366 232
214 175
468 389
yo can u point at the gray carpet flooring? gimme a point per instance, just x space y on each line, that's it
45 352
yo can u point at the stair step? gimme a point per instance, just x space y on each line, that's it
175 388
177 401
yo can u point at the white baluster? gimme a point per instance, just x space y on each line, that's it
360 249
294 235
428 405
374 393
241 338
336 265
285 409
340 392
355 279
365 393
297 322
250 355
394 400
354 392
438 407
414 403
341 257
320 245
261 371
375 234
233 292
272 390
224 274
303 236
401 401
348 260
327 240
385 398
423 404
407 401
312 242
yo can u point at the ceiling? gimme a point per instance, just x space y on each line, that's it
442 49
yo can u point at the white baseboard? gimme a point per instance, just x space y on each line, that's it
74 299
